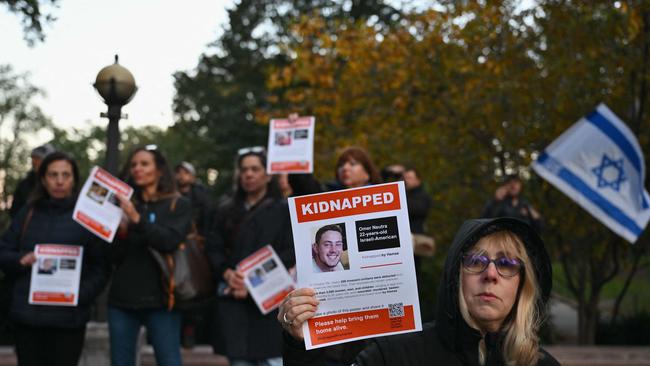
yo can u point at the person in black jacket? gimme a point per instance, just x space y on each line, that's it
157 219
491 302
508 202
46 334
198 195
254 217
27 184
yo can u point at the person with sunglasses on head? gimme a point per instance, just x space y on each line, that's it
50 334
255 216
157 218
491 303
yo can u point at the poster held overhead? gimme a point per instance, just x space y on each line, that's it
354 248
291 145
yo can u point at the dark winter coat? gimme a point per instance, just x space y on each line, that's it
51 223
419 204
137 281
451 342
242 331
23 190
508 208
202 209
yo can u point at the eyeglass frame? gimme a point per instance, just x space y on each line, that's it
491 260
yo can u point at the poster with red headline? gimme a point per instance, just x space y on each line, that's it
266 278
97 208
354 248
291 145
56 275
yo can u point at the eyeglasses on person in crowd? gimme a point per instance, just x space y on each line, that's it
478 263
251 149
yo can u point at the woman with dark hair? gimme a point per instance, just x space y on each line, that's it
354 168
46 334
158 219
255 216
492 301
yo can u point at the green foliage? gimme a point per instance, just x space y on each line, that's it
473 92
217 103
33 16
19 118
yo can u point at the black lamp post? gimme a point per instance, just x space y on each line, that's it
116 85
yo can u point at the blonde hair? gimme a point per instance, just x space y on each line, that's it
521 344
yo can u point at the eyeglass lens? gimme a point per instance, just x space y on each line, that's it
507 267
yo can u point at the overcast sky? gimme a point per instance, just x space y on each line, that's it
153 38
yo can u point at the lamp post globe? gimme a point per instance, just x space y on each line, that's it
116 85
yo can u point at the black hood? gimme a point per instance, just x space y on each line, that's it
449 321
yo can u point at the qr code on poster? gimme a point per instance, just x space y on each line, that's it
396 310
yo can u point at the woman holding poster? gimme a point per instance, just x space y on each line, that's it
491 303
158 219
51 334
254 217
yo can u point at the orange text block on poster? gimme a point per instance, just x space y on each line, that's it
53 297
332 328
384 197
94 225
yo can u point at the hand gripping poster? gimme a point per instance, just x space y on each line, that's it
354 248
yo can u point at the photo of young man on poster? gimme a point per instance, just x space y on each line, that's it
328 249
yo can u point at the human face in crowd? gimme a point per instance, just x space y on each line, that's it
183 177
411 179
352 174
143 170
59 179
252 174
36 163
328 250
514 188
489 295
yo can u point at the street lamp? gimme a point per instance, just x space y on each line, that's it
116 85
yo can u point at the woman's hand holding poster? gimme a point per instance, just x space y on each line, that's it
354 248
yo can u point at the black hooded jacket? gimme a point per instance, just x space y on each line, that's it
51 223
450 341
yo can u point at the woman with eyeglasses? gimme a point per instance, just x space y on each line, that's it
491 303
257 215
157 218
47 334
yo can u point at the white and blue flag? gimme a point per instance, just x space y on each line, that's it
599 164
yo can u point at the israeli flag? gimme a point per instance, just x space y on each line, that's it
599 164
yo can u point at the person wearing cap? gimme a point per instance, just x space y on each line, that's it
195 322
198 195
492 301
27 184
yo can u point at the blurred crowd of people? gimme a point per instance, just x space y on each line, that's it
168 204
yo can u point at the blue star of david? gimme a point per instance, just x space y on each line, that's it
605 174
